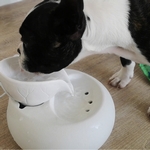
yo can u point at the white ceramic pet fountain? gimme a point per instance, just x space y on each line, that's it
64 110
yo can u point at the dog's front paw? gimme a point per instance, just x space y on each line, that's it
121 78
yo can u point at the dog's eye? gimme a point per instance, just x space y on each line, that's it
57 44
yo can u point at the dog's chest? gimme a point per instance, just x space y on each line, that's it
107 25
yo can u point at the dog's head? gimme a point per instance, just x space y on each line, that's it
51 36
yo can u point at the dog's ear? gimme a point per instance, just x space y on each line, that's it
73 24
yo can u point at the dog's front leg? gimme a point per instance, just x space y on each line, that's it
124 75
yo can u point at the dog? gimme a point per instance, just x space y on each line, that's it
56 33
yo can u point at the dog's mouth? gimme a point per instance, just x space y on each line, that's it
25 69
22 68
37 70
24 61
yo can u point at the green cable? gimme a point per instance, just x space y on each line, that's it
146 70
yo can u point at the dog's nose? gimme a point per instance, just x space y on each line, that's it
18 50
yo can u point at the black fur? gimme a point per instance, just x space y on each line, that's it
47 26
125 62
139 25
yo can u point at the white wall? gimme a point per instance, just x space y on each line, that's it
5 2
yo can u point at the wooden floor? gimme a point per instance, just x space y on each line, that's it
132 126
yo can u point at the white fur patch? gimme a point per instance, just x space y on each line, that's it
106 27
107 31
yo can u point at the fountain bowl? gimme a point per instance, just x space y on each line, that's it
82 121
30 88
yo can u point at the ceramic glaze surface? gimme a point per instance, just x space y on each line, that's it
82 121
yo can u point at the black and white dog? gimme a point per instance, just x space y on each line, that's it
54 34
